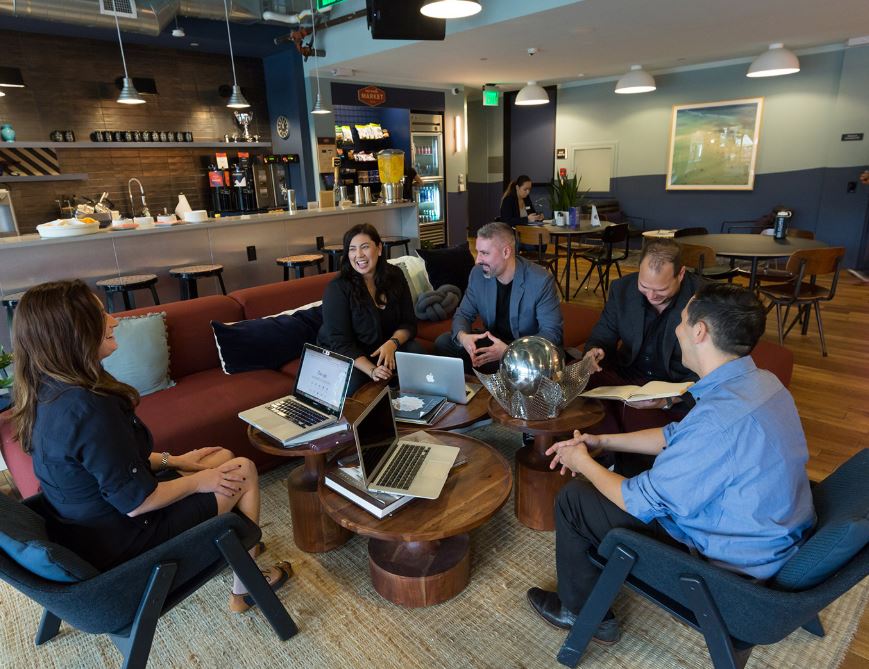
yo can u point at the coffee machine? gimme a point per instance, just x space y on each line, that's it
241 178
271 178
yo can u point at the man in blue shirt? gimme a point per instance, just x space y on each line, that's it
729 480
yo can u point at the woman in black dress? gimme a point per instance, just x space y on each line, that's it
516 205
367 310
111 498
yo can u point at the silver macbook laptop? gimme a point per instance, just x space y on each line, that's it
434 375
400 467
317 399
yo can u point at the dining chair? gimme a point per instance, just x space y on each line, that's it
803 291
701 260
538 238
604 257
686 232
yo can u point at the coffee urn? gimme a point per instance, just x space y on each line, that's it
221 193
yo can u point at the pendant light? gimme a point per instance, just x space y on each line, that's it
775 62
450 9
636 80
318 107
129 95
236 100
532 94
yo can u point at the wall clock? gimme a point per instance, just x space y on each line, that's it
282 125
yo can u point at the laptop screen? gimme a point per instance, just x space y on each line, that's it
323 378
375 433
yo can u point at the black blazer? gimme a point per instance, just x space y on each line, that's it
357 328
510 210
622 321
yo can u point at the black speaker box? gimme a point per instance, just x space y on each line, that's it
401 19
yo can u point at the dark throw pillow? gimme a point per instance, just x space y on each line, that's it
448 266
438 305
266 343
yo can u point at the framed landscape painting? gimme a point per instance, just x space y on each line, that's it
713 145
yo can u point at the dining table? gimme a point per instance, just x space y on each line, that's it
753 247
583 229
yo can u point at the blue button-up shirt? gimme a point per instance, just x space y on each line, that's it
731 480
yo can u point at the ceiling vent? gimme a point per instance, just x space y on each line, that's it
120 8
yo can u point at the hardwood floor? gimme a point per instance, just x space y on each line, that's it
831 393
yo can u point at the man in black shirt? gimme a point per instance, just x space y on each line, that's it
522 300
635 341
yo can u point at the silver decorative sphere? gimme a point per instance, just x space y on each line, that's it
528 360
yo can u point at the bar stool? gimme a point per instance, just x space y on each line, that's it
10 302
190 274
125 285
391 241
298 263
332 251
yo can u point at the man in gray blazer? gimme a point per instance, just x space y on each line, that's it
513 297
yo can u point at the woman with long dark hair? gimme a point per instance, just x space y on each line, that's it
110 497
516 205
367 309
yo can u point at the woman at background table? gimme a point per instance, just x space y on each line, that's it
110 497
516 205
367 310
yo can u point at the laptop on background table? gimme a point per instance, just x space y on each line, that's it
434 375
316 402
398 466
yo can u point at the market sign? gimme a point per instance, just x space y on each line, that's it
371 96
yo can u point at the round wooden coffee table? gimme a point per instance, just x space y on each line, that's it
537 484
461 415
421 555
313 530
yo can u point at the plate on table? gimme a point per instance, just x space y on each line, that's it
166 224
67 227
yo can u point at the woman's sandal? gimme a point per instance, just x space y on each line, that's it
241 603
259 549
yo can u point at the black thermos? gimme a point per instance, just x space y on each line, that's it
780 228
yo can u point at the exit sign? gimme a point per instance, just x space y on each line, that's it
490 98
322 4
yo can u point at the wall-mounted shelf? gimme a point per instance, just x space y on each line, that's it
136 145
78 176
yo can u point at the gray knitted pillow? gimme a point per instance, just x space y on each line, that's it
439 304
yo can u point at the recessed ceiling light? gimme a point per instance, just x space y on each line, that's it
450 9
194 43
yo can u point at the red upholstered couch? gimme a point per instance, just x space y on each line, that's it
202 408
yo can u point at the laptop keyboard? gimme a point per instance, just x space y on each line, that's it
404 467
296 413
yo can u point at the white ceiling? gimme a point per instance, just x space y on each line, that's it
596 39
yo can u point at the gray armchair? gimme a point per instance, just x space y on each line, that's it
126 601
735 613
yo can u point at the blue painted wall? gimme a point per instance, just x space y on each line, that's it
285 93
802 162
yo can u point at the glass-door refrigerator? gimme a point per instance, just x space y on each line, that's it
427 148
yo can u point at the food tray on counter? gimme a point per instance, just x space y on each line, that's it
66 227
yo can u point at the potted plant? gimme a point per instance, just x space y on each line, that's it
5 380
564 193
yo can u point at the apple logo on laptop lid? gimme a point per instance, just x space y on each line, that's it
429 378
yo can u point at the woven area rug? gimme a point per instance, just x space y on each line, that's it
344 623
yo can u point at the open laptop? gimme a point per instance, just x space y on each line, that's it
434 375
400 467
317 399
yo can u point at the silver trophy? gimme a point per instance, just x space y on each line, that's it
243 118
533 382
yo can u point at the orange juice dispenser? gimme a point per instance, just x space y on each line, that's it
390 164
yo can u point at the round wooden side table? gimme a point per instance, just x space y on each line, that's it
420 555
461 415
537 484
313 530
